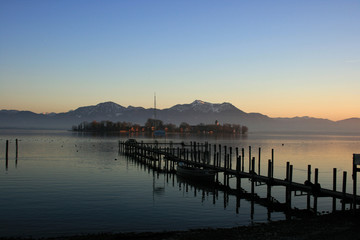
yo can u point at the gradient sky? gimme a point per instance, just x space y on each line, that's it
279 58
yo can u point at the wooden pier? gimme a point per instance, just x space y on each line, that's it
164 157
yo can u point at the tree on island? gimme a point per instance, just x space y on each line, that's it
152 125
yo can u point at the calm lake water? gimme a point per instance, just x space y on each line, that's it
65 183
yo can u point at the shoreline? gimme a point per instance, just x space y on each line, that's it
338 225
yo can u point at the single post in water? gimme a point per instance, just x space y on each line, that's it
343 191
316 183
242 159
259 161
7 155
272 162
17 148
269 182
249 158
334 189
309 181
356 162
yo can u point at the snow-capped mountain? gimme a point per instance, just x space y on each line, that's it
204 107
192 113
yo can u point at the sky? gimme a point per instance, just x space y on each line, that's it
278 58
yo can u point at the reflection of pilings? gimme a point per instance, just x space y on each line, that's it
334 189
224 166
271 204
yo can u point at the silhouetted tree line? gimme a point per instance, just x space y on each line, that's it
155 124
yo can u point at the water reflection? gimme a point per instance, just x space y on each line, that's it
60 183
213 192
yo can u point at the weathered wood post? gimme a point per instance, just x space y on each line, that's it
308 194
225 157
252 188
356 162
219 158
269 181
252 171
17 148
287 194
334 189
209 154
7 155
199 152
272 162
290 187
242 159
259 160
230 160
214 163
343 191
238 164
249 158
238 168
7 150
316 184
287 171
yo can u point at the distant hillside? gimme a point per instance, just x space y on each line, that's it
193 113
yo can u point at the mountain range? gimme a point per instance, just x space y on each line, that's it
193 113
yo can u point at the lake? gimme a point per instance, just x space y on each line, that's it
66 183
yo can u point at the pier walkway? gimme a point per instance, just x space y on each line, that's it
211 157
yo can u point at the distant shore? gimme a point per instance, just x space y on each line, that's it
339 225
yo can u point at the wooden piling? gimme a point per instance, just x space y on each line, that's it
238 164
356 162
242 159
316 184
308 194
225 157
230 159
287 191
272 160
249 158
219 157
17 148
334 189
343 201
259 160
252 177
238 178
290 183
7 150
269 183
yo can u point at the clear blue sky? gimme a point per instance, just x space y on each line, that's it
279 58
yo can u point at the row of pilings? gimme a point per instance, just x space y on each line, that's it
7 152
220 159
